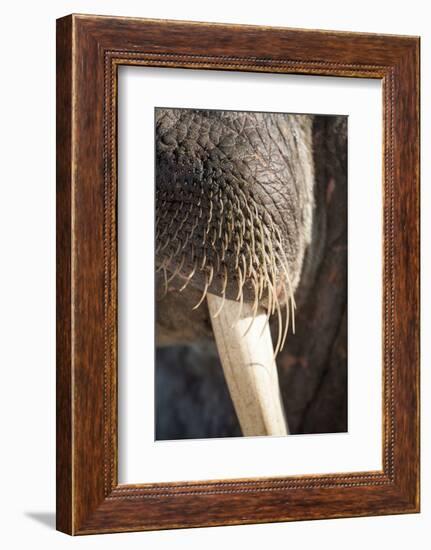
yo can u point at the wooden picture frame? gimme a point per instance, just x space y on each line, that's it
89 51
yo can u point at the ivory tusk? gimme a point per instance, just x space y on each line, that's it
249 367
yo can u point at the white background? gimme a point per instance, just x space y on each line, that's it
143 460
27 244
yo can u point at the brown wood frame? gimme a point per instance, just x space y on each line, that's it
89 51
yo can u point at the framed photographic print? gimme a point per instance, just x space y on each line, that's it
237 274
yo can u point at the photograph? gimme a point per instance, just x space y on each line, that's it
251 273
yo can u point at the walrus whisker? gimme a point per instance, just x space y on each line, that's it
210 278
177 269
240 283
286 324
223 292
204 293
189 277
254 310
279 332
217 313
204 260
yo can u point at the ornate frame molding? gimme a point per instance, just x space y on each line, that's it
89 498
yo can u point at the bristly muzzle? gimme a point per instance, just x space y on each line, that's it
213 230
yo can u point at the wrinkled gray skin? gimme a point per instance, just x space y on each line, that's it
291 172
222 173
